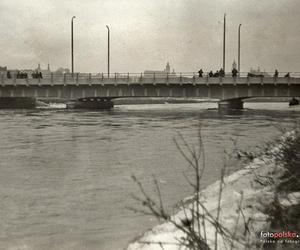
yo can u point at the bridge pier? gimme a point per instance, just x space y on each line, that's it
100 103
236 103
17 102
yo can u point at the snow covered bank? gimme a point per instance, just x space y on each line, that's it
246 198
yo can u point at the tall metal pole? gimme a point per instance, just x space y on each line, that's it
224 38
72 46
108 50
239 49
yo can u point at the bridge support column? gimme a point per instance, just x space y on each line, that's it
132 92
209 92
275 91
17 102
157 92
120 92
249 91
231 104
100 103
223 93
236 92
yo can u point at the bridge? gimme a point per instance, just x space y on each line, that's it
229 90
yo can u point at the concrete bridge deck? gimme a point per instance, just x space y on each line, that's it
89 79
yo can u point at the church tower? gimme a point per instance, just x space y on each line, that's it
168 69
234 66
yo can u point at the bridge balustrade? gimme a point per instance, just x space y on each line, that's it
128 78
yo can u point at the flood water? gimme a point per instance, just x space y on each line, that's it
65 176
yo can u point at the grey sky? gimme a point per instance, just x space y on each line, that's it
147 34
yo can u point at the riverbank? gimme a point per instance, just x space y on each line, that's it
255 202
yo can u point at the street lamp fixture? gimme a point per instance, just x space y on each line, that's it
72 46
239 49
224 38
108 50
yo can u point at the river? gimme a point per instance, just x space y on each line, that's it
65 179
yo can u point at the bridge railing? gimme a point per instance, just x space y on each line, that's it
148 77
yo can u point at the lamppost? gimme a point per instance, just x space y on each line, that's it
108 50
239 48
224 38
72 46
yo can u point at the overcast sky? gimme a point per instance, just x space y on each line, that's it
145 34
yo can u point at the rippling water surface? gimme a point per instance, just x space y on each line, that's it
65 179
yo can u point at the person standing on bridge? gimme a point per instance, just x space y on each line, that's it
221 73
234 72
217 74
200 72
276 73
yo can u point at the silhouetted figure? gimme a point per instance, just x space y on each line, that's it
234 72
21 75
200 72
40 75
8 75
210 74
221 73
287 74
217 74
35 75
276 73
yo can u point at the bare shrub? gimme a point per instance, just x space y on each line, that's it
196 216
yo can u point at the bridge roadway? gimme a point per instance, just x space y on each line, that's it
82 86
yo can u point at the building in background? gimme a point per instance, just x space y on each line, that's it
160 73
61 71
259 72
43 71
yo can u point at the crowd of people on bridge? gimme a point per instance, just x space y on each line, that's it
19 75
37 75
218 73
234 73
24 75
